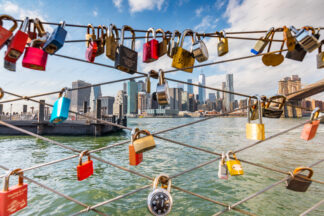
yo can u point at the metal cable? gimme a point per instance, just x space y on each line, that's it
312 208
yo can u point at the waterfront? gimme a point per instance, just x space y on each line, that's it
220 134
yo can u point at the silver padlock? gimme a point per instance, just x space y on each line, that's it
162 90
11 66
173 45
199 49
159 201
222 168
320 57
305 37
262 42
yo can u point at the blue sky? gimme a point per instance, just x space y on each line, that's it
250 76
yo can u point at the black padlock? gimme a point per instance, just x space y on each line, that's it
297 182
273 111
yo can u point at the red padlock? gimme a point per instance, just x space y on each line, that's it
150 48
35 58
134 158
84 170
17 44
91 51
310 129
13 199
4 33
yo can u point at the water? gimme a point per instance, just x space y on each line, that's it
220 134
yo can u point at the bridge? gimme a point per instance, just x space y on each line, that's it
307 91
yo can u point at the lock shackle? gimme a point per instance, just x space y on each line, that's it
258 99
222 34
134 131
7 17
271 39
148 83
320 47
148 34
196 37
250 106
88 29
165 180
1 93
37 43
269 32
100 36
24 25
63 90
84 153
62 24
299 169
161 77
315 113
186 32
174 34
40 27
112 28
12 172
223 158
154 74
230 153
309 28
105 28
281 104
128 28
139 132
29 25
159 30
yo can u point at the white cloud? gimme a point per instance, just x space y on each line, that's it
198 11
118 3
219 4
95 13
206 23
140 5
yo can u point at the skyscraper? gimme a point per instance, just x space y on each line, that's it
229 87
202 91
79 96
95 93
132 89
212 97
141 86
189 87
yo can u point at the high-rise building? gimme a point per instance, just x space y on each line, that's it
120 104
189 87
175 98
192 103
142 102
217 95
95 93
125 87
212 97
79 96
107 105
229 87
132 90
202 91
184 101
141 86
180 86
223 88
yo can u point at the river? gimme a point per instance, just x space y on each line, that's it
220 134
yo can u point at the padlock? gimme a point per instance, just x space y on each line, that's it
262 42
305 37
43 35
14 198
112 42
183 58
100 41
173 45
222 168
89 36
162 90
297 183
32 33
274 111
273 59
234 166
253 109
151 47
134 158
222 46
56 39
159 201
4 33
91 51
126 59
290 40
154 74
84 170
11 66
35 57
148 83
142 144
310 129
255 131
199 49
1 93
320 57
18 42
163 45
61 108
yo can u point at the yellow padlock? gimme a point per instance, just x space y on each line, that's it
255 131
142 144
89 35
234 166
183 58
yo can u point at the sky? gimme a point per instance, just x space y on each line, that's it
250 76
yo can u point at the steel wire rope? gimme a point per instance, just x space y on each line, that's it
312 208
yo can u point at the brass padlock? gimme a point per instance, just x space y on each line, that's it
297 183
142 144
100 41
234 166
290 40
148 83
88 35
199 49
222 46
173 45
253 109
262 42
163 45
183 58
320 57
255 131
273 59
162 90
112 42
274 111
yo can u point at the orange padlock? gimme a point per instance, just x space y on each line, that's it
134 158
309 130
84 170
13 199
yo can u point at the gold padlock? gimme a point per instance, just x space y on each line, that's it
148 83
234 166
100 41
290 40
142 144
255 131
253 109
162 90
173 45
163 45
183 58
222 46
112 41
273 59
88 35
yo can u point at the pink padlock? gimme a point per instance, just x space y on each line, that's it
35 58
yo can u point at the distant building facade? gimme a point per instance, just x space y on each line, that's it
78 97
132 90
201 90
107 105
189 87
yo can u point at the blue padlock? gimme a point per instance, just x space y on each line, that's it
55 40
60 109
